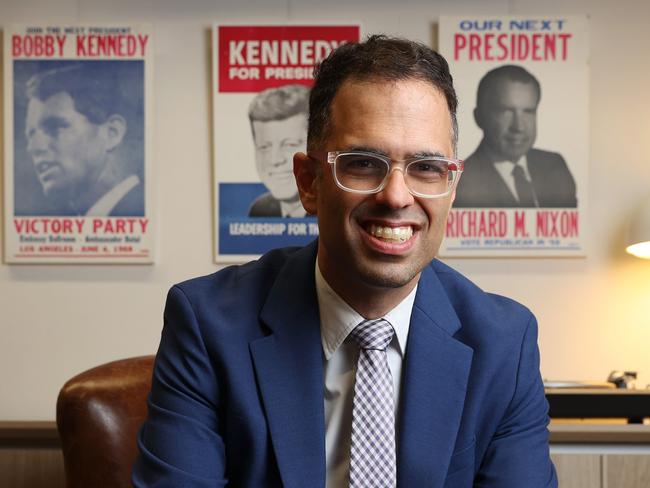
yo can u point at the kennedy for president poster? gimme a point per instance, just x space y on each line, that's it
523 89
262 75
77 144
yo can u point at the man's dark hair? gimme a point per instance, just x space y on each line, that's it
100 89
93 88
279 103
507 72
379 58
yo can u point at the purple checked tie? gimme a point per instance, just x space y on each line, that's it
372 453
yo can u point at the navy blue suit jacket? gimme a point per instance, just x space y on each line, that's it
237 394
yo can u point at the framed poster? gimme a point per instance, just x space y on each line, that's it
523 89
77 160
261 80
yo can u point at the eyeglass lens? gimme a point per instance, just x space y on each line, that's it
365 172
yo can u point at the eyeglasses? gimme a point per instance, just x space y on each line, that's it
366 172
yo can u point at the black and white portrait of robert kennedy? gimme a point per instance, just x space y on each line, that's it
505 170
79 132
278 118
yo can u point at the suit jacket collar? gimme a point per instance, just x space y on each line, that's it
537 170
486 172
435 376
289 368
483 155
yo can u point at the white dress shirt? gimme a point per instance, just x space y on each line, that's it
105 205
340 355
505 171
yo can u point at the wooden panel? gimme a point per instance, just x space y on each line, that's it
590 433
31 468
43 432
578 470
626 470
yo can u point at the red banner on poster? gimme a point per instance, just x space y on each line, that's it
254 58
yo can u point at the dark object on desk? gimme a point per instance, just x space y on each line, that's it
98 414
622 379
633 405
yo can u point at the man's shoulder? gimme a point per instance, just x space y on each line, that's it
265 206
461 287
481 313
535 154
478 167
226 305
477 158
267 266
132 203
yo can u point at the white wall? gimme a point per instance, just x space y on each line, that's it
594 313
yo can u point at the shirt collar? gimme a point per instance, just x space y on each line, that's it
337 318
292 209
109 200
505 167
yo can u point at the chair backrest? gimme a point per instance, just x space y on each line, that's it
98 414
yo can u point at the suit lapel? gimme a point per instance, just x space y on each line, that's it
496 190
289 369
540 175
434 383
502 195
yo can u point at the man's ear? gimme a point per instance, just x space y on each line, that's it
478 118
306 170
115 129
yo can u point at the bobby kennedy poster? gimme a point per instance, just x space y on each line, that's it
262 75
77 144
522 84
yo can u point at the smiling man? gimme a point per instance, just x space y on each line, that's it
359 360
505 170
75 128
278 119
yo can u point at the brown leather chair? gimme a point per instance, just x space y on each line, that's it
98 414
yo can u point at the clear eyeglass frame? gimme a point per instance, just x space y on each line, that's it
456 167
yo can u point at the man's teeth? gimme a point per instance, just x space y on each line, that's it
398 234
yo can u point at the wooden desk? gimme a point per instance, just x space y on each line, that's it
586 455
601 455
30 455
605 433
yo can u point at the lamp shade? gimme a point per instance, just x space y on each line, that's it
638 232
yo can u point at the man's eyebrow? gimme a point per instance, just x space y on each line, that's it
54 118
368 149
292 139
428 154
380 152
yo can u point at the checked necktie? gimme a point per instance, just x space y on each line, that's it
372 453
524 188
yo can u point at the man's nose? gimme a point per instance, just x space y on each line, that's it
37 143
395 193
279 156
517 123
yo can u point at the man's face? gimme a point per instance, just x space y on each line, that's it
509 119
400 119
276 141
67 149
